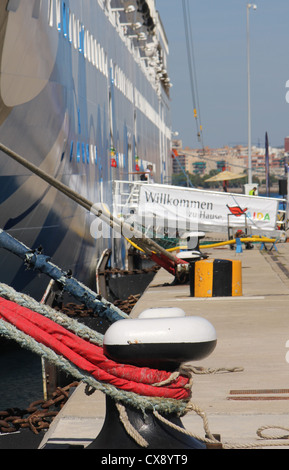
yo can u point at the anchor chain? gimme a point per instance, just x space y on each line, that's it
72 309
38 415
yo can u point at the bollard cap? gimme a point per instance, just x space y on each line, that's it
189 254
159 342
194 234
162 312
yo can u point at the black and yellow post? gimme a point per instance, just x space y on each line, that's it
216 278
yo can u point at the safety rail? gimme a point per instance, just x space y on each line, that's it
126 196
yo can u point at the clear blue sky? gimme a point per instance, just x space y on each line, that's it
220 52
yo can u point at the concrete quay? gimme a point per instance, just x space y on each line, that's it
252 332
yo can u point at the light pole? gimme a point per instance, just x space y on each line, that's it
249 5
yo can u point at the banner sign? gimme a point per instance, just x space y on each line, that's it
171 205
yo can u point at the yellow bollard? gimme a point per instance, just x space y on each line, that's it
216 278
236 278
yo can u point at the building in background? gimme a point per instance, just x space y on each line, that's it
234 159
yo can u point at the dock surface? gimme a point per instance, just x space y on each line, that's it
244 384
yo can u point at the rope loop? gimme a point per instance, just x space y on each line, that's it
260 432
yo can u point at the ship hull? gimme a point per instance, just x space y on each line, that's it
64 108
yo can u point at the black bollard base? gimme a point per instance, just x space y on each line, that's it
158 435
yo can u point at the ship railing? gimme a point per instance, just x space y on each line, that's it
126 196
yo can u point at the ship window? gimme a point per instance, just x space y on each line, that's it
71 151
13 5
50 13
78 152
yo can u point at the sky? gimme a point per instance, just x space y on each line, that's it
219 32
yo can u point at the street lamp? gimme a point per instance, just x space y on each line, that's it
249 6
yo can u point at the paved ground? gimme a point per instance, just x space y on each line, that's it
252 332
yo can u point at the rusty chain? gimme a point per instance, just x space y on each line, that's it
80 311
38 415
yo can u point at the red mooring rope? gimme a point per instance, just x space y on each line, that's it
89 357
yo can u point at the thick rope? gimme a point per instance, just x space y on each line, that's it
25 300
280 436
61 319
155 404
203 370
170 379
210 439
132 432
193 407
143 403
91 358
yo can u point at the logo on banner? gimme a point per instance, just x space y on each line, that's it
236 210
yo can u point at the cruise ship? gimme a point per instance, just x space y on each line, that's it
85 96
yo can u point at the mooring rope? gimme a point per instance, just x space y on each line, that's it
60 318
129 398
158 405
211 439
209 370
191 407
132 432
280 436
160 255
172 403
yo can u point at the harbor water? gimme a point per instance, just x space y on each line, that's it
20 376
